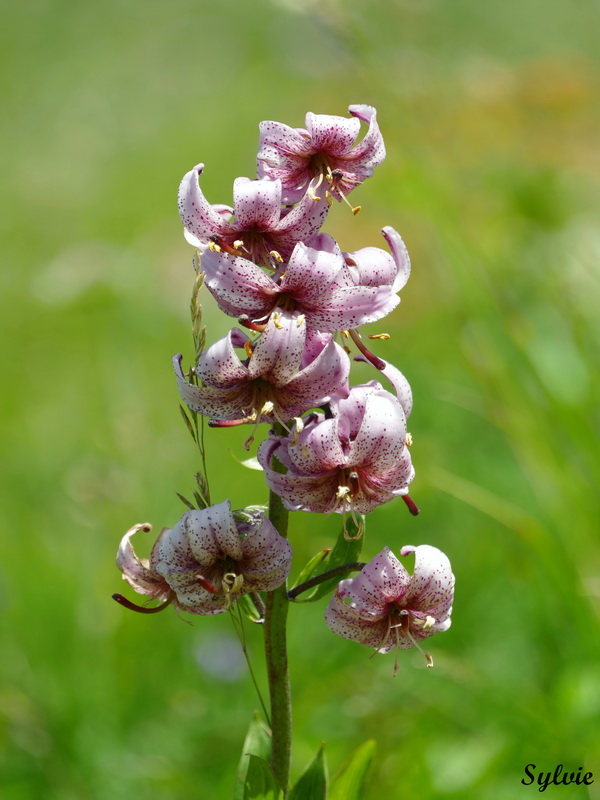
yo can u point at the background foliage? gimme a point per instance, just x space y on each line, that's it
490 114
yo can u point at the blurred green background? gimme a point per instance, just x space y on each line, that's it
490 113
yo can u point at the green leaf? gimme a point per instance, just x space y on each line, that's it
312 784
344 552
248 607
348 783
186 502
313 567
260 783
257 743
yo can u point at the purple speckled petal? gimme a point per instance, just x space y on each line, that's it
299 224
432 586
381 582
278 351
220 365
267 558
332 135
346 621
257 204
238 285
371 150
136 571
210 401
318 449
324 376
199 218
381 438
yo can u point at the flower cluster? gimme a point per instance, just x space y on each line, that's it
299 300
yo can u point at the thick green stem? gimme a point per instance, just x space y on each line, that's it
277 605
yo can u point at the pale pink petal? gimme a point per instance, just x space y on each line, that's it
221 404
199 218
381 438
278 351
371 150
257 204
238 285
346 621
331 135
220 365
328 373
136 571
432 586
318 449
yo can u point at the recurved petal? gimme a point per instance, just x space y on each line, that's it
300 223
352 306
212 534
278 352
267 558
381 582
136 571
371 150
400 256
220 365
238 285
257 204
312 267
324 376
432 585
346 621
210 401
382 435
199 218
318 449
329 134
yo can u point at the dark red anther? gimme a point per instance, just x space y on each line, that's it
412 506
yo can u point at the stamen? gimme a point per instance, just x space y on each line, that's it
245 320
412 506
405 625
232 583
206 585
276 317
382 336
231 423
248 348
142 609
277 256
408 440
377 362
297 430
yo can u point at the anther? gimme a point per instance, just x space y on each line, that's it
277 256
248 348
408 440
382 336
412 506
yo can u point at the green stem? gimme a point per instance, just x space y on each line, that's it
277 605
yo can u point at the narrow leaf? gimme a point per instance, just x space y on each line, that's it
248 607
188 423
314 566
349 783
186 502
257 743
312 784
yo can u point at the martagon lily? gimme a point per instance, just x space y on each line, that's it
206 561
386 608
322 158
351 462
260 229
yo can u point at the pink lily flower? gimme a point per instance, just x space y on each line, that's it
352 462
301 158
386 608
289 371
261 229
207 561
335 292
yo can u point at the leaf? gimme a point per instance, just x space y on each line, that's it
348 783
260 783
248 607
313 567
344 552
249 463
186 502
188 423
257 743
312 784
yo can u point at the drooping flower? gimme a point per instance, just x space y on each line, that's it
334 291
289 370
208 560
386 608
324 151
351 462
260 229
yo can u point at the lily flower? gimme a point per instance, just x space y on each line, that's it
386 608
334 291
207 560
322 154
288 371
260 229
352 462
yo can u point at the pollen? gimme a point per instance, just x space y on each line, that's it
277 256
381 336
408 440
248 348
